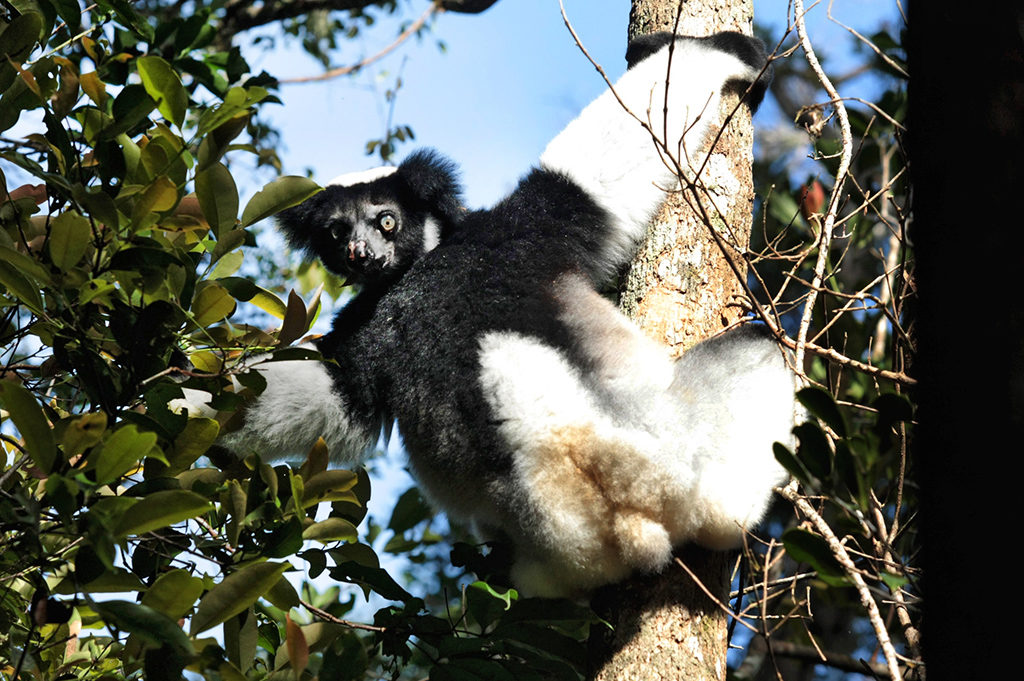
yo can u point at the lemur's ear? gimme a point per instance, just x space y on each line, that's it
433 179
299 223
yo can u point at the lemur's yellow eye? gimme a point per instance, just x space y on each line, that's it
387 222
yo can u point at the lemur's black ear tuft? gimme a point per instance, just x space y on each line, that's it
299 223
433 179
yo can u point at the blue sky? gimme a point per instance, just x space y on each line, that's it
510 79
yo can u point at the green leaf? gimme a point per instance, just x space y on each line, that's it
806 547
164 85
83 432
821 403
813 449
791 463
69 237
284 192
193 441
20 289
328 486
331 529
283 595
121 452
31 423
894 582
212 304
410 510
160 196
161 509
146 622
218 197
236 593
173 593
484 604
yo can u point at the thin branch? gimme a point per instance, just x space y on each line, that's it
328 617
815 655
839 551
828 223
871 46
345 70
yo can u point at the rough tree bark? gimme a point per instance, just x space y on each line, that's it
681 289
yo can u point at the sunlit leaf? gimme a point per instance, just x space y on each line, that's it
164 85
218 197
331 530
237 592
333 485
282 193
173 593
122 451
20 288
212 304
192 442
69 238
83 432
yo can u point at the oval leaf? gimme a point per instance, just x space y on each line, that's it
212 304
161 509
173 593
31 423
164 85
331 529
121 452
805 547
146 622
821 403
83 432
69 237
284 192
328 486
236 593
298 649
218 197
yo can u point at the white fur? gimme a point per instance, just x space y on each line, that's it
610 497
431 234
607 151
298 406
612 494
361 176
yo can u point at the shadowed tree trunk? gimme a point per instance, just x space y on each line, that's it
681 289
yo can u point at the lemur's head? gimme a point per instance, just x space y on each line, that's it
371 226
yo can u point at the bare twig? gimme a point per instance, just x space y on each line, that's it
827 224
328 617
413 28
841 555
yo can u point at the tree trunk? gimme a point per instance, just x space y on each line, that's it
680 290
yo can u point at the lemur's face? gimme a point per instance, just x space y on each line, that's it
365 239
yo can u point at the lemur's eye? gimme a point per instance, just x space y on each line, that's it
387 222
